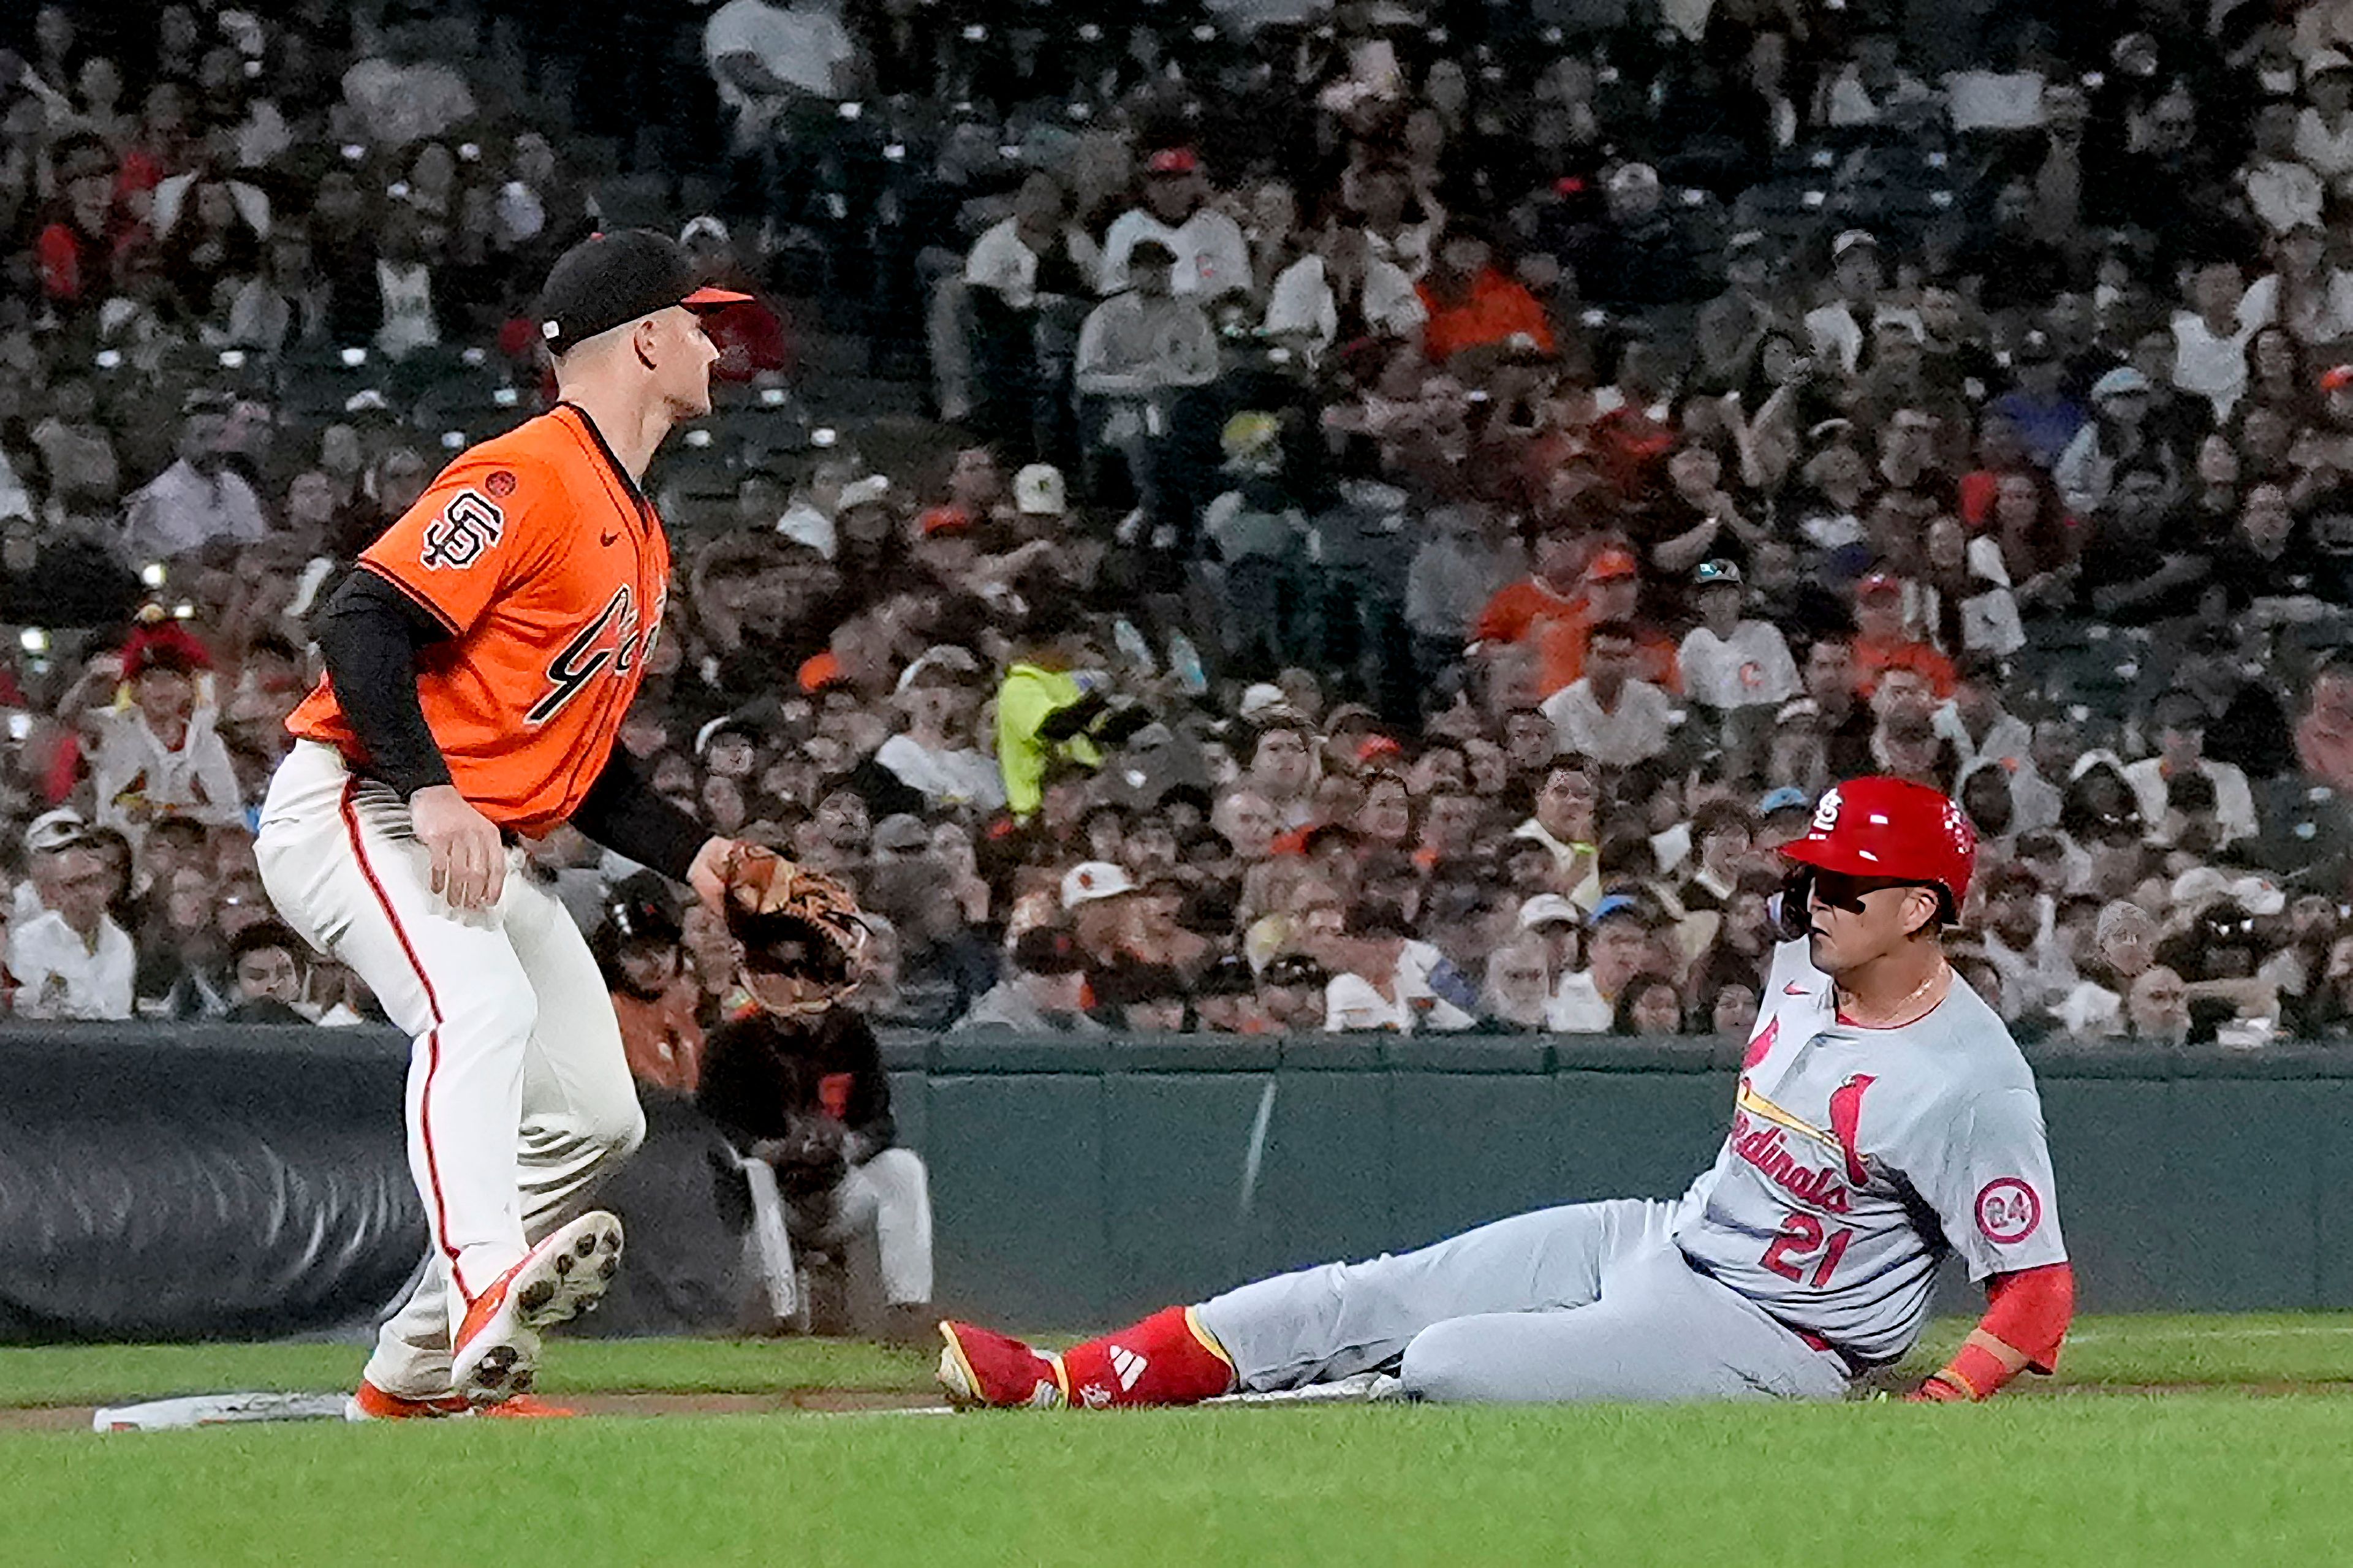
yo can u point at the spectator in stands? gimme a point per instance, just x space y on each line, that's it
1833 706
1567 824
2180 721
2306 292
1291 993
2020 942
408 309
1136 351
2209 339
1607 715
1204 248
1649 1004
1646 256
2324 129
937 755
1248 822
2118 434
1517 990
766 59
1873 89
1043 991
265 965
1733 663
1457 571
283 303
2041 406
400 94
182 957
1384 979
1141 999
163 754
1282 769
1026 278
82 247
1099 901
836 483
200 497
1618 946
2157 1011
1612 591
1470 303
2141 563
1340 293
2324 738
1724 834
2284 192
753 346
71 960
1839 329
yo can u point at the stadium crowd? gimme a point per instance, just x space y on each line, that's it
1424 497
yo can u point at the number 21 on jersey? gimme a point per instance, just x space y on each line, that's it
1800 1237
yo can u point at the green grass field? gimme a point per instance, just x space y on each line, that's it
2243 1458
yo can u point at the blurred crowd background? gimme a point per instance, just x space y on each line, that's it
1240 515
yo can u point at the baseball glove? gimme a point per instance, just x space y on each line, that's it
808 1158
770 897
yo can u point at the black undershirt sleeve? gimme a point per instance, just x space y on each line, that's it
622 812
370 634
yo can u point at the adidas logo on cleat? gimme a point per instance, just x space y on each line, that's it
1128 1365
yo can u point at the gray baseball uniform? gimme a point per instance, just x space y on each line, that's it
1857 1157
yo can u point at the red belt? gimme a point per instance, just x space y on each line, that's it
1814 1341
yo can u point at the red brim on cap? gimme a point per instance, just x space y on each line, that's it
704 298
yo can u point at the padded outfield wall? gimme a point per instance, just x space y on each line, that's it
166 1182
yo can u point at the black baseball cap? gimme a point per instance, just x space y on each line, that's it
608 281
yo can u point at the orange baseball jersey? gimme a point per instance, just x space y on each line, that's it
551 571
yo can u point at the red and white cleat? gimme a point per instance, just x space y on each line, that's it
982 1369
369 1403
496 1355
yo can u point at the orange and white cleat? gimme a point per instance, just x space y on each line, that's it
496 1353
981 1369
369 1403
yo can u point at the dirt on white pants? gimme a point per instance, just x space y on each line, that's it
519 1095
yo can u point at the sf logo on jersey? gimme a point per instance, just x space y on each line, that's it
470 525
613 640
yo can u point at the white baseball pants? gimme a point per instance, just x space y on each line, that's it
519 1095
889 1199
1588 1302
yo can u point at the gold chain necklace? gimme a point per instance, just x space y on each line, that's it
1901 1009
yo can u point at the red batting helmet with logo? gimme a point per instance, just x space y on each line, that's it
1882 827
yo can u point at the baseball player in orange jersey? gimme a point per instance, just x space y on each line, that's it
479 662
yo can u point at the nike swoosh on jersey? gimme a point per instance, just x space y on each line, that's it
608 540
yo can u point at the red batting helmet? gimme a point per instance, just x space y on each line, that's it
1882 827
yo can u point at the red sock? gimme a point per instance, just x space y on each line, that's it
1166 1358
